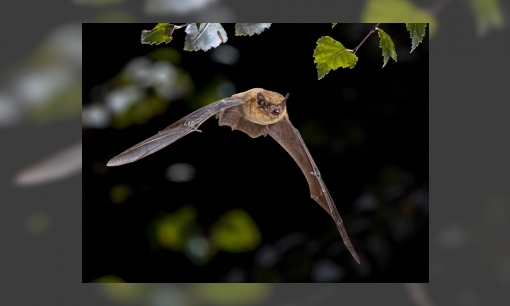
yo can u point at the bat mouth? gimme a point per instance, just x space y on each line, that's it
276 112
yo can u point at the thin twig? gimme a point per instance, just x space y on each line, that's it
182 26
369 33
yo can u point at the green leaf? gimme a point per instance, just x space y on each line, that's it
331 54
417 31
334 24
488 14
204 36
397 11
236 232
162 33
388 49
250 29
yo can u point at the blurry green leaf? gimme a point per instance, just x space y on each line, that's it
141 112
116 289
417 31
236 232
250 29
38 223
208 93
232 294
331 54
173 229
397 11
167 54
162 33
204 37
334 24
386 44
488 15
120 193
63 104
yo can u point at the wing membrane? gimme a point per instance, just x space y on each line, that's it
289 138
172 133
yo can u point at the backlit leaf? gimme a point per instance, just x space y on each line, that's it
204 36
251 28
331 54
386 44
162 33
417 31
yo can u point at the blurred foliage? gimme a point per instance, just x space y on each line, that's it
218 88
236 232
116 289
391 11
38 223
61 105
47 86
488 14
142 90
141 112
233 232
120 193
166 54
174 229
231 294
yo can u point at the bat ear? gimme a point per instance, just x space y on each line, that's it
286 97
261 100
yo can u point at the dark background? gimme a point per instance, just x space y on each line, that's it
367 129
469 152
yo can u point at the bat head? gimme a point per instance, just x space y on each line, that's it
272 104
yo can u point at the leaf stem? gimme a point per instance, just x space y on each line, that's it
182 26
369 33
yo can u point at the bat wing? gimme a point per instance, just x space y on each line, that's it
172 133
289 138
234 118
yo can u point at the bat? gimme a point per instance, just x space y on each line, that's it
255 112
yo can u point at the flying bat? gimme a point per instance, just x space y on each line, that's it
256 112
